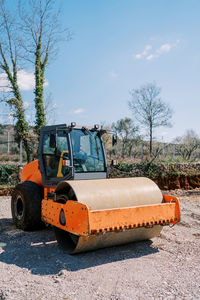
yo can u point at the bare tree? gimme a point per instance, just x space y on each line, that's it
107 139
127 131
9 56
41 34
149 110
50 109
187 144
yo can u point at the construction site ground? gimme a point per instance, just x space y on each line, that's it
32 266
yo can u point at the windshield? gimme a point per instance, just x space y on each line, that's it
87 151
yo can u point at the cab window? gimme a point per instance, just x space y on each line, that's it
56 160
87 151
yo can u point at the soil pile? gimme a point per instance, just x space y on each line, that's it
178 182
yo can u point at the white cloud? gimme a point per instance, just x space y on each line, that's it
26 81
78 111
146 50
114 74
151 56
4 86
55 105
143 53
138 56
164 48
26 104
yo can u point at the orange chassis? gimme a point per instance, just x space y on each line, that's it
83 221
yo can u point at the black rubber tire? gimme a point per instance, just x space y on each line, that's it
26 206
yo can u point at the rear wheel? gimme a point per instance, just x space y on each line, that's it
26 206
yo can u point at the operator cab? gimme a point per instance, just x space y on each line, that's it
71 152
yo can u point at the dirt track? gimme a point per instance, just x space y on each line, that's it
33 267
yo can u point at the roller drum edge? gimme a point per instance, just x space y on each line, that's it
74 244
110 239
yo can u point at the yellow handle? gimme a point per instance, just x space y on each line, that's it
60 174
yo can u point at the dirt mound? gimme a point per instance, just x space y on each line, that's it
178 182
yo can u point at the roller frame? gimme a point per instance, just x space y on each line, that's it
84 221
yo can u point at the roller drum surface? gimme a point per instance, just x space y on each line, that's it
105 194
110 239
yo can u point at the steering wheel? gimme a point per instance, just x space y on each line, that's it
81 156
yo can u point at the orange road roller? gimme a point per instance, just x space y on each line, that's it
68 188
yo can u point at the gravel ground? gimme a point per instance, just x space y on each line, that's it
168 267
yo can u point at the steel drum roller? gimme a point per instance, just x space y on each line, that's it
105 194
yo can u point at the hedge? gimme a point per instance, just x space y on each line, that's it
156 170
9 174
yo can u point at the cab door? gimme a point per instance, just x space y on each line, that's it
55 156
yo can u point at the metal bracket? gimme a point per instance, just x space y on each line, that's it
51 195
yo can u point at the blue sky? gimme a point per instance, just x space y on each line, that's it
120 45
